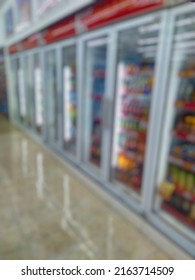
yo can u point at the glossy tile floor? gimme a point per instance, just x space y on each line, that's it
47 212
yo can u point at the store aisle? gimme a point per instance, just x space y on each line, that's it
46 212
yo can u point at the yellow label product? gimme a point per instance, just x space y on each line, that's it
166 190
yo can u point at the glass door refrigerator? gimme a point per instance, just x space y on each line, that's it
28 92
95 63
70 98
137 53
173 206
51 96
38 91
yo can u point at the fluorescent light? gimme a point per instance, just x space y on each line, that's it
147 49
38 96
183 45
149 54
67 103
98 42
185 36
148 41
22 97
149 28
185 21
186 51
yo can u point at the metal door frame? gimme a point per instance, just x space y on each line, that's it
25 54
60 45
21 125
11 91
55 146
31 53
96 173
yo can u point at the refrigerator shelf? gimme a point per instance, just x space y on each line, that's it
99 73
184 136
137 96
95 162
186 165
187 105
185 194
134 154
97 97
135 92
178 215
134 117
188 73
97 119
128 182
133 133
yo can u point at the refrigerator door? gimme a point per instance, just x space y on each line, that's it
22 102
38 92
94 95
135 77
174 200
69 80
29 98
51 94
15 90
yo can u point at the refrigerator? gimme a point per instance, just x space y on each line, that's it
172 207
136 70
51 100
70 98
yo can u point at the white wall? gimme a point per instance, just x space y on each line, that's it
3 9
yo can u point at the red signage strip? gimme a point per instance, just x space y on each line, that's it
31 42
61 30
107 12
13 49
101 14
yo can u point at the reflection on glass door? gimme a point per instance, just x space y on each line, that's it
69 98
51 94
176 173
15 89
96 55
21 91
137 49
38 92
26 75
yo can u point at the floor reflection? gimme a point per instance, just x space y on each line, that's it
48 212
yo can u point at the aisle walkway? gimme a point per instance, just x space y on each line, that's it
46 212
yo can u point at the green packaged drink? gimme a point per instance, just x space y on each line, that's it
190 182
176 175
182 179
171 172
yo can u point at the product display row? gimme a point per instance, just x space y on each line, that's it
95 100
